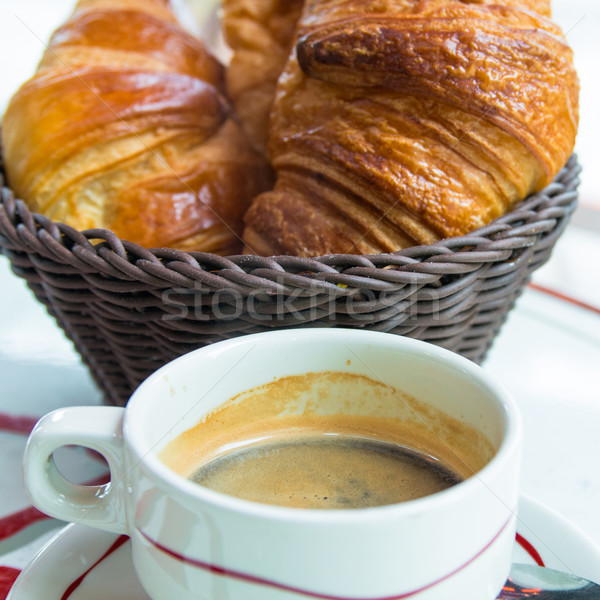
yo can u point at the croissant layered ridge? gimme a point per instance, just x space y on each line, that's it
403 122
126 126
260 34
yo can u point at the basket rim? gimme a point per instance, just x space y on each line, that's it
533 217
107 293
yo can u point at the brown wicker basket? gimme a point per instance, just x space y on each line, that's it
129 310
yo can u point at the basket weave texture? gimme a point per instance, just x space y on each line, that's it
129 310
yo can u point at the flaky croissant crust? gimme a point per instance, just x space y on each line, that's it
261 34
506 65
125 126
403 122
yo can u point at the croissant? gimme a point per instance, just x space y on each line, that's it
125 126
260 33
403 122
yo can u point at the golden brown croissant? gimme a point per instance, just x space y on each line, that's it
401 122
125 126
260 34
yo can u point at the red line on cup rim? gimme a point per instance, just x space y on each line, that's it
225 572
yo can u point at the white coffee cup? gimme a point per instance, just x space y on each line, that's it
190 542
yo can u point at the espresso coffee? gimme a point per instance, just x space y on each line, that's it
325 471
327 440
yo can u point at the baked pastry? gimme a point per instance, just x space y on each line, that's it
125 126
260 34
402 122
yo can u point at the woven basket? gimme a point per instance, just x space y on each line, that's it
129 310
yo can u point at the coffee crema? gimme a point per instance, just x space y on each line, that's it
327 440
327 471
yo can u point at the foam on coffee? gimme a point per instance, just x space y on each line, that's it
275 443
305 469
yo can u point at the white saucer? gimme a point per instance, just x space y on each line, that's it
81 563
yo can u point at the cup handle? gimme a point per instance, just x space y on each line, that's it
95 427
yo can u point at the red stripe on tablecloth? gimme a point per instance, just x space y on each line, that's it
565 297
24 424
17 423
8 575
13 523
530 549
17 521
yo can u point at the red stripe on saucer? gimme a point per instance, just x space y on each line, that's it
114 547
274 584
530 549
